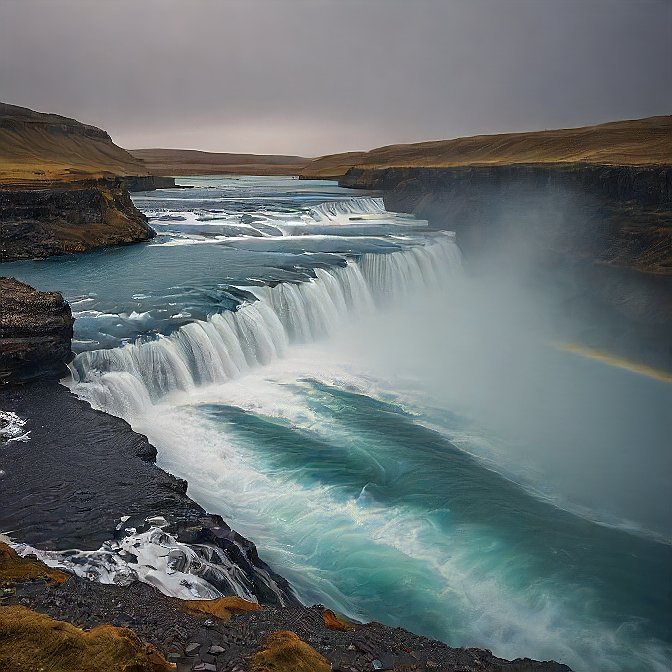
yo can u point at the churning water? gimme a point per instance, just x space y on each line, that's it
243 342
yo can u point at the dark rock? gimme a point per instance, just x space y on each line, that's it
77 217
35 333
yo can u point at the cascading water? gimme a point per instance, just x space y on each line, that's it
126 380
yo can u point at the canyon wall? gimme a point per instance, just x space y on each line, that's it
40 222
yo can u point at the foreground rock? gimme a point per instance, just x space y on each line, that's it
244 637
35 333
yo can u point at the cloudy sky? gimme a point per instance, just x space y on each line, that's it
317 76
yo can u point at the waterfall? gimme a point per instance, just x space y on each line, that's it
127 380
332 211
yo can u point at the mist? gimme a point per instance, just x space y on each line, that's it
590 437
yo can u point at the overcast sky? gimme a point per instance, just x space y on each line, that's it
316 76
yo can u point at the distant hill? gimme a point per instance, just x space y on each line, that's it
194 162
636 143
37 147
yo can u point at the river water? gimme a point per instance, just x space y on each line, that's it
328 378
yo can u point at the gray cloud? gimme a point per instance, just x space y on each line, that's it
315 76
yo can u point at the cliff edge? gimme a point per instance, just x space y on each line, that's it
64 187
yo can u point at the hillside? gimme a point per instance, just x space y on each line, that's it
37 147
642 142
193 162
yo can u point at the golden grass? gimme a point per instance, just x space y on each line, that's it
285 652
14 568
222 608
37 147
618 362
32 641
638 142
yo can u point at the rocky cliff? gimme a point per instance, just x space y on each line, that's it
40 222
620 215
35 333
64 187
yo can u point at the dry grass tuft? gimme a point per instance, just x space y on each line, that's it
32 641
222 608
285 652
14 568
334 622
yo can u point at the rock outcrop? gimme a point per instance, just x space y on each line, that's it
41 222
35 333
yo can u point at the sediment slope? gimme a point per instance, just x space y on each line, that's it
193 162
38 147
640 142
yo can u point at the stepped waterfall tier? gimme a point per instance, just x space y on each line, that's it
228 344
389 428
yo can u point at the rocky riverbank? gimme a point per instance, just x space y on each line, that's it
229 634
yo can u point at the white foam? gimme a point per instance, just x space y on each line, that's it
11 427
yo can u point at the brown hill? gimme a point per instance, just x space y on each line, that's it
194 162
37 147
641 142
